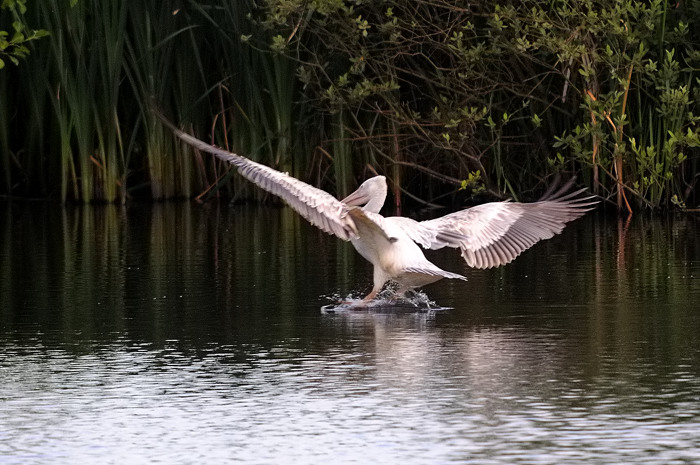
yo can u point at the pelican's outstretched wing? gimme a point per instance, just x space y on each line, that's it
495 233
427 235
317 206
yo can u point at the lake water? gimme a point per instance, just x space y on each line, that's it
183 333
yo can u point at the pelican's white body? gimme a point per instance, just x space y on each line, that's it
395 256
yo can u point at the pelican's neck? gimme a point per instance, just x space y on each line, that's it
376 202
374 205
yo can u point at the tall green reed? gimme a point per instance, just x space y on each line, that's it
84 85
170 66
258 95
5 165
341 154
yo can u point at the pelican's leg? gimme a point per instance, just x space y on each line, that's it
403 293
379 281
367 299
371 296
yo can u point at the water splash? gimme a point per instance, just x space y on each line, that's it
387 301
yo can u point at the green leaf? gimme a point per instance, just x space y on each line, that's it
278 43
39 33
536 120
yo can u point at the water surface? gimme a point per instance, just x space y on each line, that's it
189 334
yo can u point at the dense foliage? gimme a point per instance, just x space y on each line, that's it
443 97
509 92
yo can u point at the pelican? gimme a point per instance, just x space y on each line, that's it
488 235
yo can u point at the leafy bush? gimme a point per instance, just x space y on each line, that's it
515 90
14 47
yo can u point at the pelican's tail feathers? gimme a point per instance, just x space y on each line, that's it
437 272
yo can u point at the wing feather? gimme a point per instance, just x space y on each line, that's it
495 233
315 205
425 235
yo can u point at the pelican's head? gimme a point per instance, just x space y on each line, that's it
371 194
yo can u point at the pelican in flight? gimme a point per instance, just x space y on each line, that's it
487 235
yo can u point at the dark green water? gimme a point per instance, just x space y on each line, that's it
189 334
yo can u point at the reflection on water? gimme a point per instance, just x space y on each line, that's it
189 334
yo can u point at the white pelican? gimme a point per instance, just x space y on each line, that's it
488 235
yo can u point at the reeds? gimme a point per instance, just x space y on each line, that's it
164 68
5 166
84 132
82 80
258 91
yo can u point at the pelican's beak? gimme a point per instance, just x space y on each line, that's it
356 199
